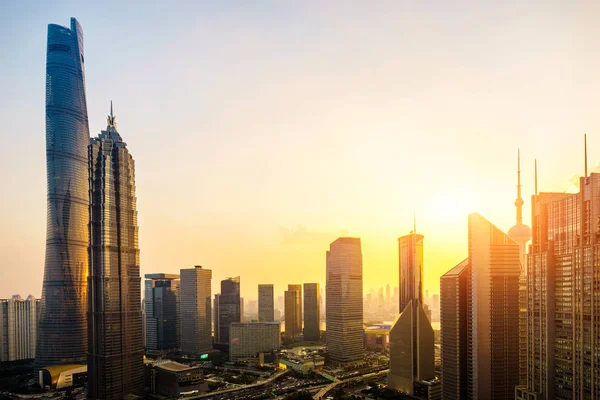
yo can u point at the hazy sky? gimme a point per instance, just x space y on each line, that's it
264 130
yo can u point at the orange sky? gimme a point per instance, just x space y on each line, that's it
247 123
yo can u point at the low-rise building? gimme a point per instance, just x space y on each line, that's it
250 339
63 376
172 379
303 364
377 337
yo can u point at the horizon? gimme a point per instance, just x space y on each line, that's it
257 142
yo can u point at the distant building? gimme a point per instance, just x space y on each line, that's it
18 328
216 319
312 311
521 234
412 343
115 359
454 312
344 303
250 339
172 379
266 303
292 304
195 306
230 308
161 305
492 325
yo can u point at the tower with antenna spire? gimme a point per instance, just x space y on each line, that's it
520 233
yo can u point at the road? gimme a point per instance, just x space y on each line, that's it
333 385
245 387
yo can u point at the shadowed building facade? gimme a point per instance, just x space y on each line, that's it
195 306
292 304
230 307
161 306
344 305
62 337
115 344
411 336
312 311
266 303
454 292
493 319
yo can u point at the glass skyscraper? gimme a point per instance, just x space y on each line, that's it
116 350
161 307
230 307
62 337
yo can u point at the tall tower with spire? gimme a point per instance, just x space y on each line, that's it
521 234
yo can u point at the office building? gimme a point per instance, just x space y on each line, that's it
161 303
216 319
195 306
454 312
230 308
563 295
312 311
266 303
292 299
115 345
411 336
250 339
521 234
18 328
298 311
344 305
492 326
62 335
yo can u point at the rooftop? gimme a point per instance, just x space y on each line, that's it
174 366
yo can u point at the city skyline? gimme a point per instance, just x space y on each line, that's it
374 119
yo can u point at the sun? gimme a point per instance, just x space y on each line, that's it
452 205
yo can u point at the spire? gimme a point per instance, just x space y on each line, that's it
585 151
519 202
112 120
535 165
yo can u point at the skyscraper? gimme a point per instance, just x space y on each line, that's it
344 306
230 308
312 311
18 328
454 291
161 300
266 303
492 326
411 336
521 234
216 318
62 335
292 300
195 306
115 345
563 295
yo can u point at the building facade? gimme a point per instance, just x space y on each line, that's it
564 295
344 305
266 303
249 339
18 327
411 337
230 307
454 291
63 322
161 305
493 320
292 303
312 311
195 306
115 344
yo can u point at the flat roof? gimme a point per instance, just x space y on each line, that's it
161 276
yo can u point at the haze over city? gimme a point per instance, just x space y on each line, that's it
262 133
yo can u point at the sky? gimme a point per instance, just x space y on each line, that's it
264 130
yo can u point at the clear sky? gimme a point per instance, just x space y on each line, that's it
264 130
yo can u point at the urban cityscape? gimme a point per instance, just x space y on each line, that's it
517 316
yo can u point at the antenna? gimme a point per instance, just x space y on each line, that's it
585 151
536 189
